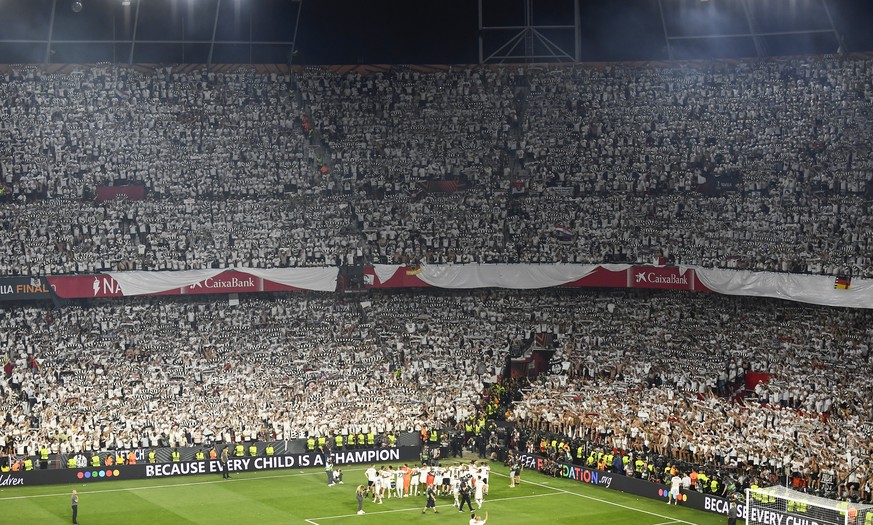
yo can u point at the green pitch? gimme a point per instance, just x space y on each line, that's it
302 497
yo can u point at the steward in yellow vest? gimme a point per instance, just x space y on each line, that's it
43 458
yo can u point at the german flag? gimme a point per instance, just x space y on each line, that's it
843 282
413 270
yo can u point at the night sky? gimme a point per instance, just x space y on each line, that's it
416 31
392 31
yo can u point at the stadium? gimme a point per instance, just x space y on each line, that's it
466 261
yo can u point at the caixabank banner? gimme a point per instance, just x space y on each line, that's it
213 466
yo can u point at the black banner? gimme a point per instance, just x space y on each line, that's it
647 489
213 466
23 288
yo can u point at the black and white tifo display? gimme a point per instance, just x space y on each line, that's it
782 506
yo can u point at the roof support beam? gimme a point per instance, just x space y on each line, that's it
133 36
214 30
549 42
666 33
48 43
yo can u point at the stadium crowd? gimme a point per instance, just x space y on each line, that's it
130 373
674 391
157 373
759 165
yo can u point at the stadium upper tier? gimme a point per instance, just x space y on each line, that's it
745 164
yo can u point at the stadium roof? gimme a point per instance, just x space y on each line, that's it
424 31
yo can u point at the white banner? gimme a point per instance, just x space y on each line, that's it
516 276
386 271
144 283
814 289
319 279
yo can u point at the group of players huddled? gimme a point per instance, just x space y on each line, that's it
467 483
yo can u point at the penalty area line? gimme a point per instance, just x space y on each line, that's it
313 521
673 520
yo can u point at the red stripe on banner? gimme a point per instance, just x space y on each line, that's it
84 286
602 278
404 277
230 281
235 281
699 286
667 277
133 192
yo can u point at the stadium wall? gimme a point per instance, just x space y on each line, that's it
190 468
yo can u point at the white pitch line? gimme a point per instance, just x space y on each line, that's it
313 522
674 520
667 522
193 483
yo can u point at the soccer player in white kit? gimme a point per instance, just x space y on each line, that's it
479 493
675 483
484 469
379 487
391 487
422 478
371 475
